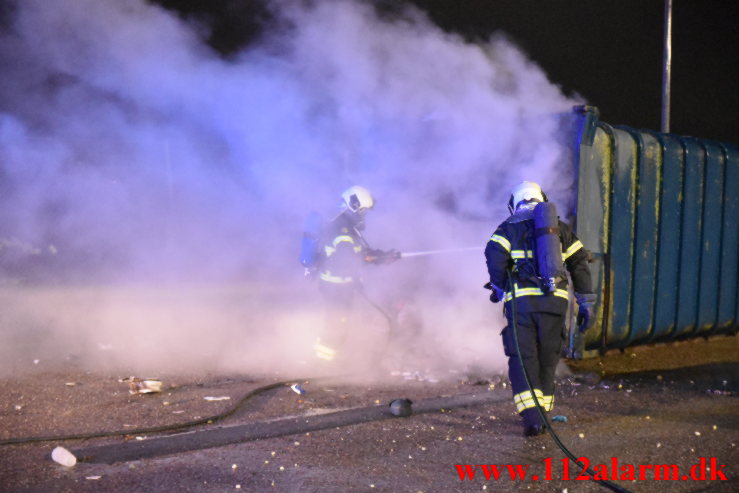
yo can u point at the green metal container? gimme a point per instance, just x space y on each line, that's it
659 214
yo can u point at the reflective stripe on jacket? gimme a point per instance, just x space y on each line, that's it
344 253
511 246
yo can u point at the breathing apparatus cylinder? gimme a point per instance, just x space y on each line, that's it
309 246
548 246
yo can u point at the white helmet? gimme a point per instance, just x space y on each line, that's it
357 199
526 190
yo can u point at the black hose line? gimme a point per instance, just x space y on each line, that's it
542 414
154 429
271 428
391 321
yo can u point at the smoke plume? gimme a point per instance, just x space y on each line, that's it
153 192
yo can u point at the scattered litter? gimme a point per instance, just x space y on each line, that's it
18 407
139 438
647 417
559 419
581 435
234 466
238 487
178 412
401 407
63 457
36 361
93 477
138 385
297 389
697 433
719 392
659 444
222 398
70 384
715 427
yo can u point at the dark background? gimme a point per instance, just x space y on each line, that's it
607 53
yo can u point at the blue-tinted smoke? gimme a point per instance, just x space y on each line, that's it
130 151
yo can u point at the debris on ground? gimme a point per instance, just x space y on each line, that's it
297 389
222 398
719 392
559 419
138 385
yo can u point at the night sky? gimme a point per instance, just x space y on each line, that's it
609 53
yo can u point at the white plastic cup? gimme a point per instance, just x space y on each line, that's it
63 457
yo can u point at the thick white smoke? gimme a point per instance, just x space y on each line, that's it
162 188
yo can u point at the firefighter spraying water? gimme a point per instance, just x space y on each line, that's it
335 253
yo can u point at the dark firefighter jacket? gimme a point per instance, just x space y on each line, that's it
343 252
513 246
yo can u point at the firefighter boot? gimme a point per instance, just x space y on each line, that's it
532 423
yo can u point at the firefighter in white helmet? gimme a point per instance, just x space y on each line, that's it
345 253
541 304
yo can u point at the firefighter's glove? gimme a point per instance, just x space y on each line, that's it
374 256
496 295
586 310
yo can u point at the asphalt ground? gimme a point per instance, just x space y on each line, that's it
666 404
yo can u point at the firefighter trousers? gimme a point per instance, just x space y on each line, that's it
540 339
338 299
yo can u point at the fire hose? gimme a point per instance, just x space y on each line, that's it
542 414
153 429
